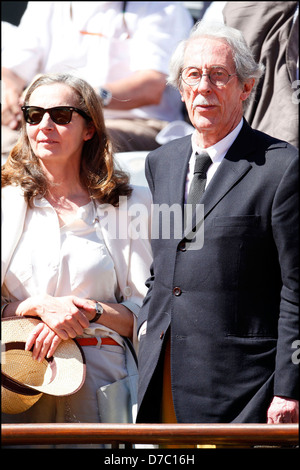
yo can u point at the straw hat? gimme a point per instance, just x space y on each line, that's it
24 380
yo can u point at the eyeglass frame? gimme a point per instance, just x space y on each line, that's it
71 109
207 75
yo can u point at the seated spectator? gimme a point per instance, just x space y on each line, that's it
121 48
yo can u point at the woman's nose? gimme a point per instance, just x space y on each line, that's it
46 121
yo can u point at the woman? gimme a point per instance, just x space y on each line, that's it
64 206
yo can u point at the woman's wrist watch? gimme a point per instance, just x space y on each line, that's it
99 311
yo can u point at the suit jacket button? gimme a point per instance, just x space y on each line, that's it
177 291
181 246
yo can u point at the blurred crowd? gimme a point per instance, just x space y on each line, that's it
123 50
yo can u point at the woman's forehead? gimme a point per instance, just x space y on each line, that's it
55 94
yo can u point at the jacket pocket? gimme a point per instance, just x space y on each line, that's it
238 221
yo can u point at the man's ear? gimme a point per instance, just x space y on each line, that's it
247 88
181 94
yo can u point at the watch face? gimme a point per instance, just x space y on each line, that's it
99 308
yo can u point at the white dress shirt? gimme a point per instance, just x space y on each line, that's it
216 152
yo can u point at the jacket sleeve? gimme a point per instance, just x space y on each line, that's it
143 313
285 223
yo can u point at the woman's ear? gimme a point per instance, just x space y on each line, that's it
90 131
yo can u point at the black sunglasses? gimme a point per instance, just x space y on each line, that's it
59 114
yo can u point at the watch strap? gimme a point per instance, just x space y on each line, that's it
99 311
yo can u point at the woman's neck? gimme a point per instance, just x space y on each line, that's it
66 194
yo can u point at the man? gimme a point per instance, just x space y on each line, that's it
219 323
121 48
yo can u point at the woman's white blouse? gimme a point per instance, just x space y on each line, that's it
62 261
84 258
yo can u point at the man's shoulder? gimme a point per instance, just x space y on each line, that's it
276 148
172 148
264 144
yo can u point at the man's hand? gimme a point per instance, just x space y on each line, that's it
283 410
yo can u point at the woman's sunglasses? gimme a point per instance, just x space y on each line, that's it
60 114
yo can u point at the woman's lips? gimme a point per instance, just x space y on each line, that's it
47 142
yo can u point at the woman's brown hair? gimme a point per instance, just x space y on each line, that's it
98 172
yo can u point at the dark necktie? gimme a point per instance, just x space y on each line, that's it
202 163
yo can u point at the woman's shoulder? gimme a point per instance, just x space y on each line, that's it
140 194
139 202
11 191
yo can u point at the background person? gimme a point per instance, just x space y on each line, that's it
62 255
273 36
121 48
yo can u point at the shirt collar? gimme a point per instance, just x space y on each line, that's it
218 151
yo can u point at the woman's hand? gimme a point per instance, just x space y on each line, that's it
43 340
59 313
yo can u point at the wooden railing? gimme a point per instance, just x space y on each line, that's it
235 435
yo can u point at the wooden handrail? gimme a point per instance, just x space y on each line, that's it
247 435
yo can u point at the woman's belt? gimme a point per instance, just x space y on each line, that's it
93 341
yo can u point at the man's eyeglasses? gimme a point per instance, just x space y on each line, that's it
217 76
59 114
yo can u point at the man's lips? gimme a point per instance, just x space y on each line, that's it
201 102
204 106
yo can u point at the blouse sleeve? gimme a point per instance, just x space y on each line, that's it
129 245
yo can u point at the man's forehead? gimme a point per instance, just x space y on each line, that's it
208 48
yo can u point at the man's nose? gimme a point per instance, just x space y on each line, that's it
204 83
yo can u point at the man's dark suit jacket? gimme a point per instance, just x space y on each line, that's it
231 307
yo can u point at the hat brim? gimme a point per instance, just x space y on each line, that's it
13 402
62 375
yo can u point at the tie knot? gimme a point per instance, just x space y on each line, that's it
202 163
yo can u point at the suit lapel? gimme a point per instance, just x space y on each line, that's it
178 171
227 175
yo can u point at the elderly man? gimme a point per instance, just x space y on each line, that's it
219 323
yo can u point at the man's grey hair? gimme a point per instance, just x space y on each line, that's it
245 65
